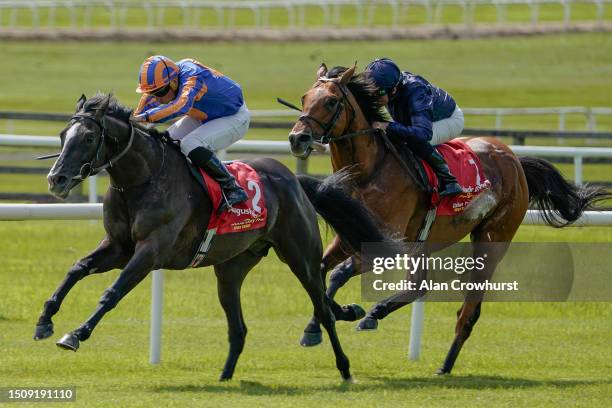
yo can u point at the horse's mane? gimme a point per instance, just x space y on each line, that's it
116 110
365 92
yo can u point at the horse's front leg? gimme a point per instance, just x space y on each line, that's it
334 254
148 254
105 257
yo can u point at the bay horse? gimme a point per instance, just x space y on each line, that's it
338 110
156 213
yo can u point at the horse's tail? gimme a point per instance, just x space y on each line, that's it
561 202
353 221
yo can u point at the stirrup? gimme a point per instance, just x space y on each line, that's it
225 203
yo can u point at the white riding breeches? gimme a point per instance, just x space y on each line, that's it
449 128
215 135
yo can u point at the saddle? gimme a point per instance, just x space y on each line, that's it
248 215
463 163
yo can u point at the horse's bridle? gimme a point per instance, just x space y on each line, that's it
329 126
88 169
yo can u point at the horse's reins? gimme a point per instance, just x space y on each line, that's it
327 128
88 169
326 138
95 170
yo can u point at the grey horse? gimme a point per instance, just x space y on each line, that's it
156 213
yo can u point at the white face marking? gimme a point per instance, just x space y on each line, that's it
72 132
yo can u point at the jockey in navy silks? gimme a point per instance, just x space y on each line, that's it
423 115
212 110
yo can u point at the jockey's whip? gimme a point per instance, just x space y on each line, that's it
48 156
288 104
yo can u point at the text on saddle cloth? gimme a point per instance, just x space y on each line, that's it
248 215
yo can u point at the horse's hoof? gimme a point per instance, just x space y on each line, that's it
357 311
43 331
367 323
310 339
441 371
224 378
69 342
349 380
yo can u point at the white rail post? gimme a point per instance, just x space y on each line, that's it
561 120
416 329
561 140
578 170
157 301
591 120
93 189
567 13
600 10
498 119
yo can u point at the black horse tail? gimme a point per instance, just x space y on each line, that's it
353 221
561 202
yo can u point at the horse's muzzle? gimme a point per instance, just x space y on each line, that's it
301 144
59 184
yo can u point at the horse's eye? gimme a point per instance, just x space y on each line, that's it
331 102
90 139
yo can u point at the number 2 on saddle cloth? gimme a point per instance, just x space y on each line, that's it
248 215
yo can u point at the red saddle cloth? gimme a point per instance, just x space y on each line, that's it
465 166
249 215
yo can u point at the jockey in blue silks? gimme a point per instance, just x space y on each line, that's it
423 115
211 109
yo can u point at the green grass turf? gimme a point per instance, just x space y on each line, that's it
539 71
547 354
314 16
527 354
565 70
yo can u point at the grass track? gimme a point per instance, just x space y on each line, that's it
566 70
544 354
527 354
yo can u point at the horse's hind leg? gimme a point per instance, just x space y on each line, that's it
468 314
230 276
304 263
104 258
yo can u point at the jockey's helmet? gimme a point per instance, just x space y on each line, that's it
385 73
156 72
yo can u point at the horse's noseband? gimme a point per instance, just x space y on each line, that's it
89 169
327 128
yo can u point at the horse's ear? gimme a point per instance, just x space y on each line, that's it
80 102
101 110
322 71
348 74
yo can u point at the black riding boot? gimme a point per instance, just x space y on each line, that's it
232 192
446 181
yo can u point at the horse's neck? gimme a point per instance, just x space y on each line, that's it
364 151
139 163
368 156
